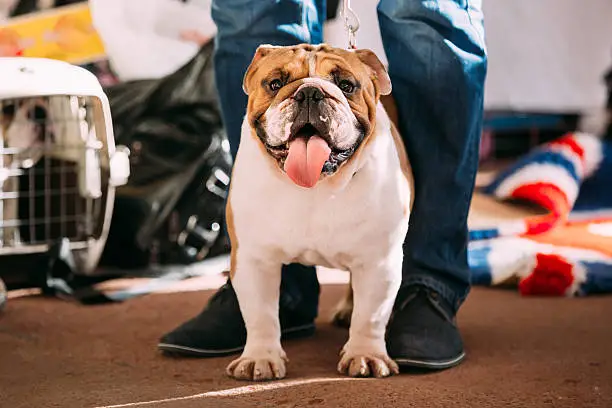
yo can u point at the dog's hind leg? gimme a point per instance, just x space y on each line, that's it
343 311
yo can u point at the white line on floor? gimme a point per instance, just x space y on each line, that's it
232 392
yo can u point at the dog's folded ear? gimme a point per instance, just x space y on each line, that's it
261 52
379 72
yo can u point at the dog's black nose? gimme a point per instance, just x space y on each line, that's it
312 93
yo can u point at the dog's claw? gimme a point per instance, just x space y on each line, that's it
367 366
270 367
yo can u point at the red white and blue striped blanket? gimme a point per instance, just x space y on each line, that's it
567 251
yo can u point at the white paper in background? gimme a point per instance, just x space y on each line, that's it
544 55
142 37
174 17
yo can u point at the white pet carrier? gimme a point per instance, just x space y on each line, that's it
58 162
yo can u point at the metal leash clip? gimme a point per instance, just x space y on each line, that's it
351 23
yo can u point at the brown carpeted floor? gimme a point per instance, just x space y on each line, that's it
522 353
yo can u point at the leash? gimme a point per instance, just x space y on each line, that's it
351 23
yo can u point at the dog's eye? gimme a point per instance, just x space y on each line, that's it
275 85
38 114
346 86
9 110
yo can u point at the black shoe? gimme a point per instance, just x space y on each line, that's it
219 329
422 332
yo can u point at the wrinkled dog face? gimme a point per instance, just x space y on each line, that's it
312 107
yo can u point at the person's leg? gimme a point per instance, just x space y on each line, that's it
437 63
242 25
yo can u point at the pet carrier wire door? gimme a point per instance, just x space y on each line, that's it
58 162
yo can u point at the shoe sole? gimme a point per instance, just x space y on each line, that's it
297 332
429 364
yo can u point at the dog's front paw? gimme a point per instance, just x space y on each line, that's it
366 362
259 366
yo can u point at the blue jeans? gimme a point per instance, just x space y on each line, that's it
437 63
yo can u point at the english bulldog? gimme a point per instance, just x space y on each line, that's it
321 177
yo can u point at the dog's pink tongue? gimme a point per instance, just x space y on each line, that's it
306 159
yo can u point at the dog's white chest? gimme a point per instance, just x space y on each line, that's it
317 229
325 225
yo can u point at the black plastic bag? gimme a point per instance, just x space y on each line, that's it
172 209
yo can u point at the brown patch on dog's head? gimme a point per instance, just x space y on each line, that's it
303 90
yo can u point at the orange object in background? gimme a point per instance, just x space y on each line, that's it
63 33
72 33
10 43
